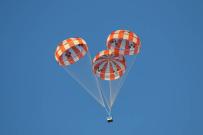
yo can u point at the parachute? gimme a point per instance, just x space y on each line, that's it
70 51
124 42
108 65
104 75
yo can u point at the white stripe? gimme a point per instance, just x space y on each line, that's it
115 36
119 64
123 44
59 52
76 42
107 71
100 67
74 55
67 46
115 69
126 36
135 40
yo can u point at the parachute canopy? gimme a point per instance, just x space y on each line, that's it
70 51
109 65
124 42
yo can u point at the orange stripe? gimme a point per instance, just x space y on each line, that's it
56 54
102 74
137 46
61 61
108 45
136 50
127 48
116 52
120 34
62 48
120 73
79 40
106 52
130 37
138 41
84 47
77 51
70 42
112 76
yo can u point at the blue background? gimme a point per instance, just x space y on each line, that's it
163 92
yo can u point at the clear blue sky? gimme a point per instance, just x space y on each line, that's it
162 95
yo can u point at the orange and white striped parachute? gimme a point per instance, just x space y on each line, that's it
109 65
124 42
70 51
